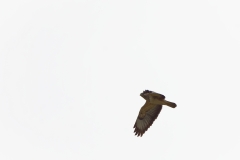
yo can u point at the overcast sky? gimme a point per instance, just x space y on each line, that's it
71 72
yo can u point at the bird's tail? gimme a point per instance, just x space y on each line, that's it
170 104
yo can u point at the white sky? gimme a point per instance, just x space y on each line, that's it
71 73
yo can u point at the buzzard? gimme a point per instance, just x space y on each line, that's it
150 111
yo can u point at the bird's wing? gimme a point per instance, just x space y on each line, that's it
143 123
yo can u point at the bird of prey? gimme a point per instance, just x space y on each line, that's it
150 111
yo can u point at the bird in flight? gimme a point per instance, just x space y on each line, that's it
150 111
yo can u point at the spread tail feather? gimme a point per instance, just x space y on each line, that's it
170 104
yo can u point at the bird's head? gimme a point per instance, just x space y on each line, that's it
145 94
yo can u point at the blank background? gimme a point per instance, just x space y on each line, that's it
71 73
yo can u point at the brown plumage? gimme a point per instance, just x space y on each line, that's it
150 111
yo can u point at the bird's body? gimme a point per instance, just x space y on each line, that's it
150 111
